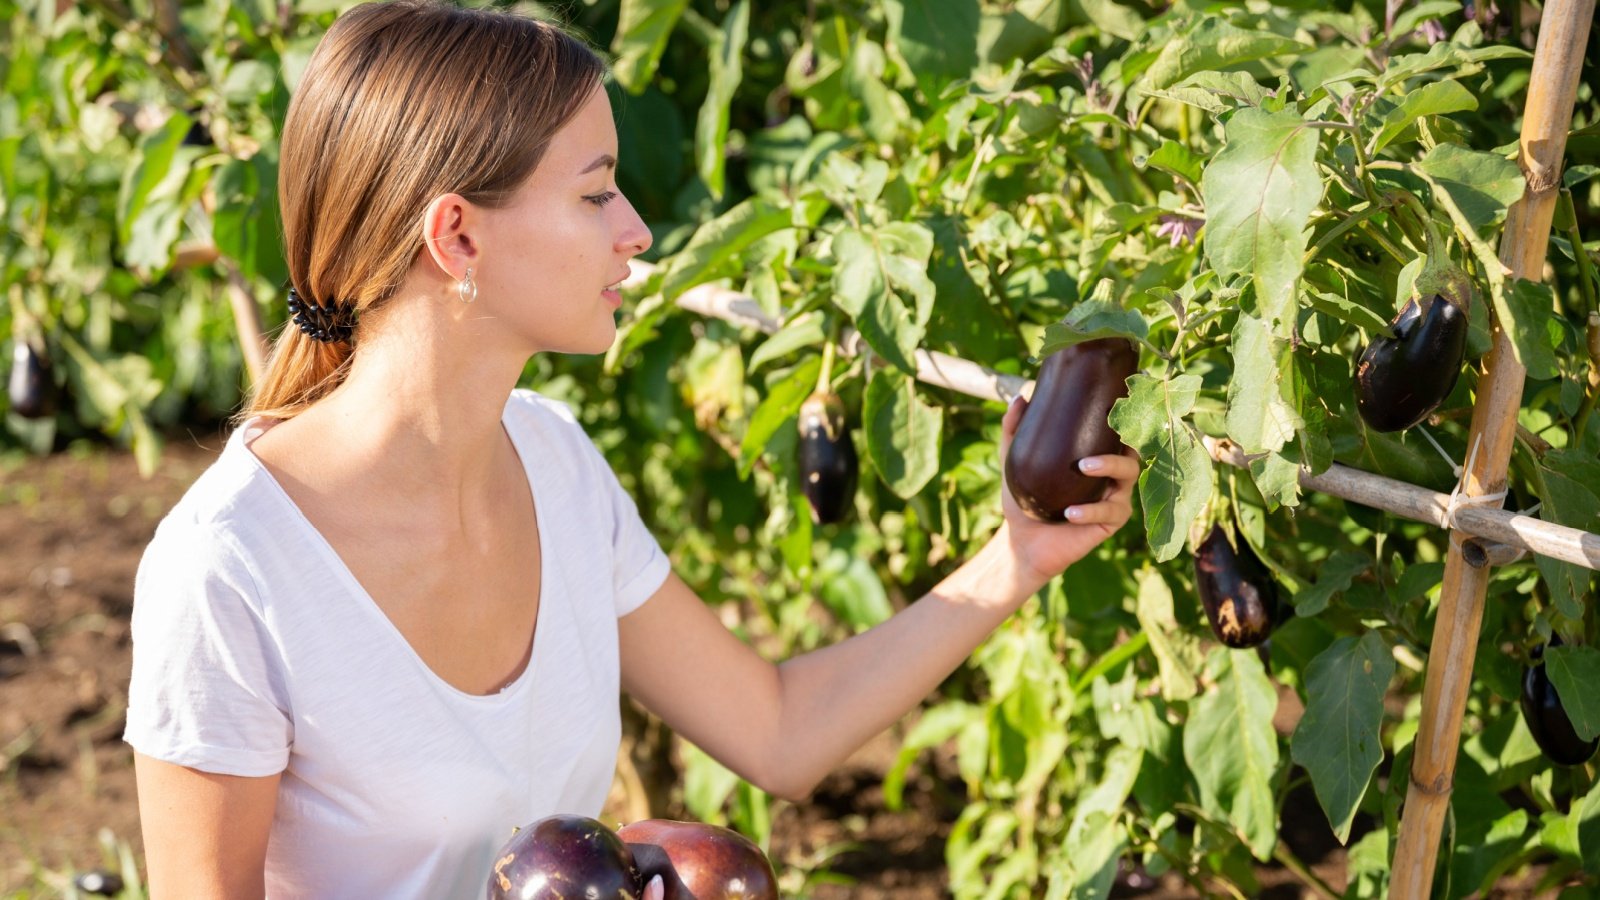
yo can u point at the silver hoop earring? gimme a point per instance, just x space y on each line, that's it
467 288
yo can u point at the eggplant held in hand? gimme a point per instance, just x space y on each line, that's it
700 862
31 392
565 856
1238 594
1065 422
828 465
1548 720
1400 380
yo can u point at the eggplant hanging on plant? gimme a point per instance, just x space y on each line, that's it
1236 590
30 388
827 456
1065 421
1400 380
1403 378
828 464
1547 719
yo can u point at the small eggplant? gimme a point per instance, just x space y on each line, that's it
697 861
564 856
1064 422
828 464
1548 720
31 391
1238 594
1400 380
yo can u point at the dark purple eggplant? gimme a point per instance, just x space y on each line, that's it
1064 422
31 391
700 862
564 856
1548 721
1236 590
1400 380
828 464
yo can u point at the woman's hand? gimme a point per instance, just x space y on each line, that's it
1046 549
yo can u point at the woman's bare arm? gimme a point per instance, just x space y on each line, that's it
784 726
205 835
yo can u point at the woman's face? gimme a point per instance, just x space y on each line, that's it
553 257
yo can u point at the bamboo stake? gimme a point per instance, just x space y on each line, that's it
247 318
1495 526
1552 89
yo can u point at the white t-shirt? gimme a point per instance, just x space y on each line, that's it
256 651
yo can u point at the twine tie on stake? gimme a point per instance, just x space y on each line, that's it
1458 497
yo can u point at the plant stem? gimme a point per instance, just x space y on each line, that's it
1121 653
1283 854
825 376
1580 421
1586 279
1350 221
1384 242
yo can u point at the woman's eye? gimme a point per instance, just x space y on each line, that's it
602 199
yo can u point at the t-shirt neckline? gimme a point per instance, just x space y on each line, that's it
249 430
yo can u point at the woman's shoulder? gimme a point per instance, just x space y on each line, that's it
232 498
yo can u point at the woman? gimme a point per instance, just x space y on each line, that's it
391 622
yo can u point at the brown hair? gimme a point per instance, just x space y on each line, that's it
400 103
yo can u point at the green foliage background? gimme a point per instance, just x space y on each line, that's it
1247 190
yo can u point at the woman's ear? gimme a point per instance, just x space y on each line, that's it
447 234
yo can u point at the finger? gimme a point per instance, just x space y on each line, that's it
1106 512
1115 466
655 890
1009 423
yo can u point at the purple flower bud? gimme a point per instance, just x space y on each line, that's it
1432 31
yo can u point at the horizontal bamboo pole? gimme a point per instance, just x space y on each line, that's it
1492 526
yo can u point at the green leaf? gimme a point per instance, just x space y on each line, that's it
1575 673
1444 55
1091 320
1177 159
1347 311
936 37
715 248
1214 45
850 587
1586 822
1177 480
1338 739
801 331
903 433
867 266
1177 651
1259 193
1482 185
1231 749
245 227
643 27
153 173
1259 418
1565 483
1434 99
1334 576
781 404
727 70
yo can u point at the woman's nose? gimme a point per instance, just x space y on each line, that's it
635 237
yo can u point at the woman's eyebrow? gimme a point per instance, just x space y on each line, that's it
603 161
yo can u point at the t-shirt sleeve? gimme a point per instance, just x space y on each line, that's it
638 565
208 688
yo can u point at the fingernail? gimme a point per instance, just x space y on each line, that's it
1074 513
1091 464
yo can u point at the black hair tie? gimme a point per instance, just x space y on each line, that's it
332 323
